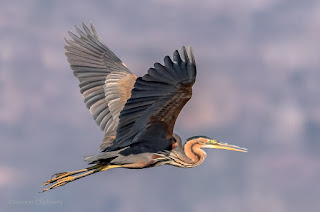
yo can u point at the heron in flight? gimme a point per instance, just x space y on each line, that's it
137 115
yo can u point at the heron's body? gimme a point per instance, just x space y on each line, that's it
137 115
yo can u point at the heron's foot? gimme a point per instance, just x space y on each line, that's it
59 182
61 175
60 179
56 177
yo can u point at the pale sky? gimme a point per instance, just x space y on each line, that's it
257 86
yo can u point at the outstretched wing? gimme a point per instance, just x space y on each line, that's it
156 101
105 82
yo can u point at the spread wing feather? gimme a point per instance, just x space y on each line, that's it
105 82
157 99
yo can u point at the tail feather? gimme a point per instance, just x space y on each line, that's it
103 157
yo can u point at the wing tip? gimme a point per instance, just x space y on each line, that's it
191 55
185 55
93 32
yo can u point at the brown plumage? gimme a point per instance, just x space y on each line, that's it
137 115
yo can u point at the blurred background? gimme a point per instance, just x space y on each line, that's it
257 87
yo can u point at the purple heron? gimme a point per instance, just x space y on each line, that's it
137 115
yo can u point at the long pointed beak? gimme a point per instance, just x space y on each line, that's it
218 145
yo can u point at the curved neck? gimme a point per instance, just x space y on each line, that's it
193 151
190 156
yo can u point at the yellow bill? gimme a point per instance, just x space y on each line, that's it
213 144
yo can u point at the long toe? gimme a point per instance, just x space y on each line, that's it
58 176
59 183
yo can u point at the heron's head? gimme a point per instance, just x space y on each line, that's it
206 142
